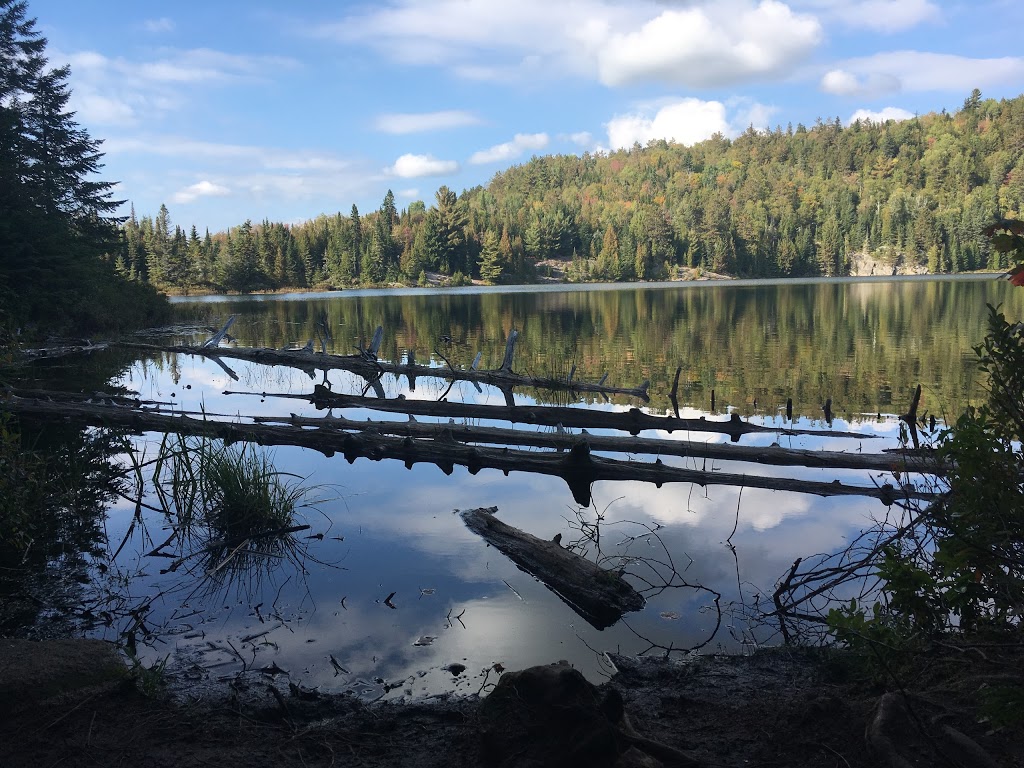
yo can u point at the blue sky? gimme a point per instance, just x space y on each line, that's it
227 111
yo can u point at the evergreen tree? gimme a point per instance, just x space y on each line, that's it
56 235
355 250
491 266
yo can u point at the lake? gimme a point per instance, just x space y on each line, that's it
387 588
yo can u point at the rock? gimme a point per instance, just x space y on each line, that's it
32 671
551 716
547 716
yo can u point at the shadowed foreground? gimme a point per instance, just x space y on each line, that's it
776 708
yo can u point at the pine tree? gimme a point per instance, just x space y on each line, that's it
491 267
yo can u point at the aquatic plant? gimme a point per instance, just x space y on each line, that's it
229 500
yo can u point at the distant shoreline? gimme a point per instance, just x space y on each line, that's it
549 286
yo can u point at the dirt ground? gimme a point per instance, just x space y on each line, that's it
775 708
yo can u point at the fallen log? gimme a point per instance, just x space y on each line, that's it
633 421
577 467
898 460
600 596
364 365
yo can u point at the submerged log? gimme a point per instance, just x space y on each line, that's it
598 595
897 460
633 421
577 467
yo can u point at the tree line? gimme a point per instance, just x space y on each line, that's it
801 201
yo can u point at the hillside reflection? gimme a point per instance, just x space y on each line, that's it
866 345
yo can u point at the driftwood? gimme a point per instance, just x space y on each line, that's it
577 467
633 421
598 595
366 364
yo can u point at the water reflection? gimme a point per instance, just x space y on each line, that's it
387 529
864 344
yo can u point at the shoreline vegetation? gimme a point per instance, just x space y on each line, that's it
436 281
907 197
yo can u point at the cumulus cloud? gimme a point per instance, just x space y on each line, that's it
704 47
410 166
904 71
880 116
583 138
616 42
417 122
685 122
200 189
510 150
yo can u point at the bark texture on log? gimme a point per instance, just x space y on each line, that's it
597 595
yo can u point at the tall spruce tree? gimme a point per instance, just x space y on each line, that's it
55 224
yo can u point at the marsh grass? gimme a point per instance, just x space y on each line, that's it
229 505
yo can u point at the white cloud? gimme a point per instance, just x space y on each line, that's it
583 138
118 91
750 113
95 109
886 16
174 66
881 116
269 158
905 71
409 194
510 150
685 122
401 123
410 166
703 47
163 24
618 43
200 189
840 82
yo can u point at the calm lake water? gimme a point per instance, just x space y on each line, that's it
386 529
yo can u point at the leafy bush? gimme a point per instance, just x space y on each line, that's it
960 565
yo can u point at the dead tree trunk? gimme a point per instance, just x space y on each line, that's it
599 596
633 421
577 467
897 461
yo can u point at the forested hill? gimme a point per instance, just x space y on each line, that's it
795 201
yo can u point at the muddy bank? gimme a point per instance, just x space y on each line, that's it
775 708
